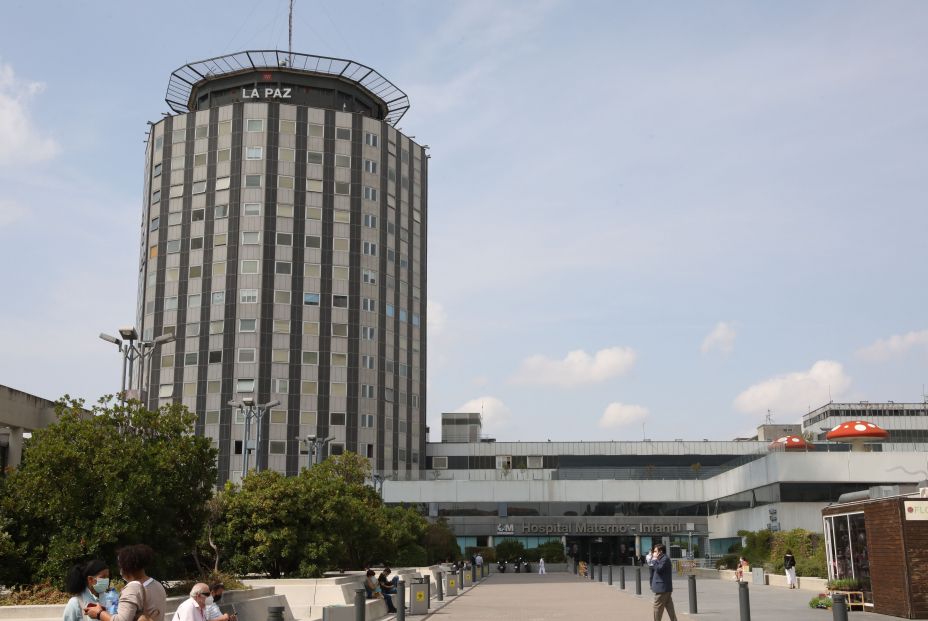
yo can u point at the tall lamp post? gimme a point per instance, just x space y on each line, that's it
132 348
251 412
315 446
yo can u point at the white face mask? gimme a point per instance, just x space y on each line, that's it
209 600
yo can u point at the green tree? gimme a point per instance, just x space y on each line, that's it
101 478
551 551
509 549
440 542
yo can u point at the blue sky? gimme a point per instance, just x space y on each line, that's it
658 218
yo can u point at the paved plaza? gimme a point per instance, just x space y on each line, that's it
530 597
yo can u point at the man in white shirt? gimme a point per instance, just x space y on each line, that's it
194 609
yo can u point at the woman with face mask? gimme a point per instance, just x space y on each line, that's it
86 582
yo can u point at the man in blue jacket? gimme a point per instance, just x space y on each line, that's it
662 583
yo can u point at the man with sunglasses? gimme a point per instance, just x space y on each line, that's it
194 609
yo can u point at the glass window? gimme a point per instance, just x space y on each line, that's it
284 239
370 166
342 188
370 193
224 128
215 357
314 185
251 237
221 211
310 357
219 297
254 153
244 385
246 354
223 155
202 131
251 209
223 183
281 297
190 359
340 301
254 125
282 267
287 127
199 187
372 140
216 327
178 135
313 241
343 161
252 181
285 155
281 326
199 159
313 157
247 325
250 267
314 213
342 133
314 130
195 271
284 210
285 182
280 356
248 296
197 215
311 299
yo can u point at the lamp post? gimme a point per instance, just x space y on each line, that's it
132 348
315 445
251 412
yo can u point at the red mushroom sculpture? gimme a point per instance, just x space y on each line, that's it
788 443
857 433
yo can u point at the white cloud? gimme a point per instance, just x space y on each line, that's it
622 414
436 318
577 367
10 212
20 141
792 394
721 338
896 345
494 413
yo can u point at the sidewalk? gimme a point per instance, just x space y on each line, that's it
530 597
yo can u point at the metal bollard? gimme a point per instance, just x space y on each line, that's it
839 607
637 580
441 587
744 601
610 575
360 605
692 584
461 579
592 571
600 573
473 575
400 601
622 577
576 568
275 613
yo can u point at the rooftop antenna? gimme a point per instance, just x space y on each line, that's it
290 38
769 418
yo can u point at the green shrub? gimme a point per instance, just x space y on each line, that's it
844 584
509 549
820 601
552 552
729 561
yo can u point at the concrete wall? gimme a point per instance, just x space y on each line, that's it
790 515
22 412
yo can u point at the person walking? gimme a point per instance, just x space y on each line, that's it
662 583
789 564
541 566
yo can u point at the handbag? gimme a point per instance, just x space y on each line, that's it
142 616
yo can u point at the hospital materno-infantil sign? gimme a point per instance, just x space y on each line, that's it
588 528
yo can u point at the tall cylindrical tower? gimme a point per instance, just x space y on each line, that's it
283 243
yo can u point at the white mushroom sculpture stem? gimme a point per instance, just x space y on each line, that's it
857 433
788 443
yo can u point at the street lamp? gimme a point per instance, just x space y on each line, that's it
315 446
132 349
251 411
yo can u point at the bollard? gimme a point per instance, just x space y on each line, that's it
600 573
622 577
610 575
576 568
692 585
839 607
637 580
400 601
275 613
441 587
360 606
473 575
461 579
592 571
744 601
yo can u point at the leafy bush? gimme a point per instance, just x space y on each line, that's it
729 561
844 584
552 552
820 601
510 549
34 594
